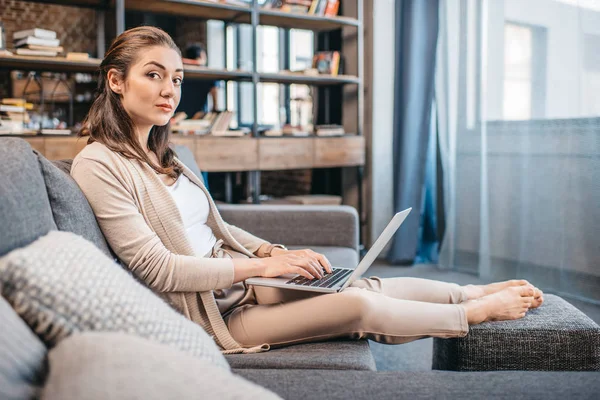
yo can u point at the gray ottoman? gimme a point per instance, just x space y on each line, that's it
554 337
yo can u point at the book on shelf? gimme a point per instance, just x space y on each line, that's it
329 130
29 52
37 41
331 8
56 131
327 62
58 49
291 130
12 108
74 56
35 32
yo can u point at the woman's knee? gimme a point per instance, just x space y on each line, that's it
373 284
359 305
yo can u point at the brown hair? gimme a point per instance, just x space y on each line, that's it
108 123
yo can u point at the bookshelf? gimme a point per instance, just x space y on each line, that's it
252 154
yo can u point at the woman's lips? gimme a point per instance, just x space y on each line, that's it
165 108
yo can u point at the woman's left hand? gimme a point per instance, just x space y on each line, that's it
316 259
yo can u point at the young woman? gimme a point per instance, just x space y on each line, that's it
163 224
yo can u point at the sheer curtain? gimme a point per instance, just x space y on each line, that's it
518 106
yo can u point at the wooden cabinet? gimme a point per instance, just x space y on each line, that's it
227 154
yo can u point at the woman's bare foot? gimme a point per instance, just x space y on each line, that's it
477 291
510 303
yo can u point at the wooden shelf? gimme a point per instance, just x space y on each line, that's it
50 64
61 64
191 8
100 4
303 21
317 80
194 72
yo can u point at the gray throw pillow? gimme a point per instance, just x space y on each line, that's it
22 357
70 208
98 366
62 284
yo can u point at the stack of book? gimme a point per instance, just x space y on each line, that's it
220 126
37 42
14 116
194 126
328 8
329 130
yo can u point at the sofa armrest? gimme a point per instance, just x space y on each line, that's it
296 225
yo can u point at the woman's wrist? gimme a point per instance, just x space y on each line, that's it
244 268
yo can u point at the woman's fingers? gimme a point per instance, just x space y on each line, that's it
300 271
324 262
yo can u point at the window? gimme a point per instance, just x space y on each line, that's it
518 45
591 76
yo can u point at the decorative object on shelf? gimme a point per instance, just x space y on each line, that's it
327 62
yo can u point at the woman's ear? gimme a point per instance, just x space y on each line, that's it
114 81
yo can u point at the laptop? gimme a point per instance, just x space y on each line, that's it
340 278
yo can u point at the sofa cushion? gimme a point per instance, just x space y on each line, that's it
394 385
70 208
62 284
25 212
118 366
339 354
342 257
554 337
22 357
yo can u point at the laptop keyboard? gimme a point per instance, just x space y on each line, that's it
326 281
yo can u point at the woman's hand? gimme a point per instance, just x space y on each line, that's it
306 262
303 262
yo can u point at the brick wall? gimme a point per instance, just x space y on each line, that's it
286 183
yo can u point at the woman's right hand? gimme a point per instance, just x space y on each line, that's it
290 263
270 267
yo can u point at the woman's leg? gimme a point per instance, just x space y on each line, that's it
354 313
416 289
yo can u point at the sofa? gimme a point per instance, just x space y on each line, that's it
39 197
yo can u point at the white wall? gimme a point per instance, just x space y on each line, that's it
381 208
566 26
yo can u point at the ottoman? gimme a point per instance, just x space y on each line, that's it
554 337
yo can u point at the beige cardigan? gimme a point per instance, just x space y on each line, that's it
143 226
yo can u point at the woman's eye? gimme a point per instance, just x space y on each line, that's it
153 74
178 81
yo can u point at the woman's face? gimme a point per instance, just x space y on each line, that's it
152 90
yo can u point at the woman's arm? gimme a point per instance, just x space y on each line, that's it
127 232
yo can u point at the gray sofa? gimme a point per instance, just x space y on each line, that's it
39 196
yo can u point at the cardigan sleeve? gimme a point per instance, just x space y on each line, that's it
246 239
112 199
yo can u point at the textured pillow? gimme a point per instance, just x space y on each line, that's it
62 284
22 357
117 366
70 208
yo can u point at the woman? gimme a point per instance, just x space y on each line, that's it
163 224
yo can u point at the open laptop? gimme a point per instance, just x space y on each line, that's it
340 278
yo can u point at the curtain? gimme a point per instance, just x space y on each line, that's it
517 88
416 40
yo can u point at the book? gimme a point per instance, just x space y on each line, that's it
36 32
332 7
77 56
28 52
327 62
313 7
14 109
58 49
37 41
56 132
329 130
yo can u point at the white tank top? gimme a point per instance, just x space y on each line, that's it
193 207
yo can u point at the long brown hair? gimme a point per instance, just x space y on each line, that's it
107 121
